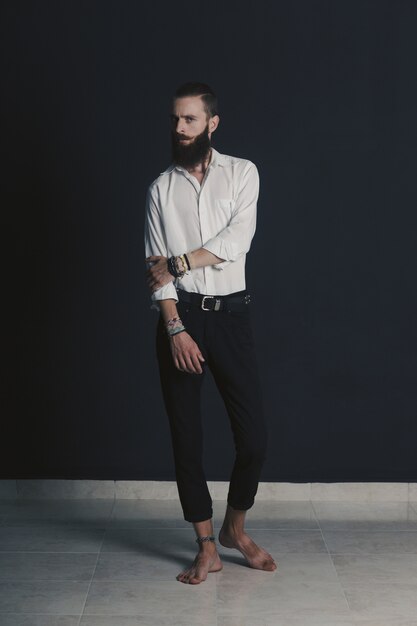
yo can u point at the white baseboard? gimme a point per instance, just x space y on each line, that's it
167 490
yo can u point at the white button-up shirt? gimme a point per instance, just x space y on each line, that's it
219 215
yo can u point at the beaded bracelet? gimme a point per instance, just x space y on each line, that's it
174 269
176 331
171 266
172 321
174 326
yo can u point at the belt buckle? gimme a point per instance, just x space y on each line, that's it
216 306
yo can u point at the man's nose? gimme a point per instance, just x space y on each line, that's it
180 128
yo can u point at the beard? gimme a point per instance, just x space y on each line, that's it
191 153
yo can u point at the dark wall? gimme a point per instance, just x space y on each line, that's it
322 97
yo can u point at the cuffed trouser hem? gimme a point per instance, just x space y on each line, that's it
241 506
202 517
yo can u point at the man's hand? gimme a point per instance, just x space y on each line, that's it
158 275
186 353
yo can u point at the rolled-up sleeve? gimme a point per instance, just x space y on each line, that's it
235 239
155 245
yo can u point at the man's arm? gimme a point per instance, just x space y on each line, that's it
186 353
235 239
155 244
168 309
202 257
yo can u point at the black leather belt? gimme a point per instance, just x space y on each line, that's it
214 303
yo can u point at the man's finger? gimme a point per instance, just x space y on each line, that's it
181 361
196 364
190 363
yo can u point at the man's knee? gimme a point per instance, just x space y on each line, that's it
253 450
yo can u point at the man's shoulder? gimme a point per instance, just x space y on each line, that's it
233 161
240 165
156 184
161 179
229 159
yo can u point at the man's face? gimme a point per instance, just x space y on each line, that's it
190 131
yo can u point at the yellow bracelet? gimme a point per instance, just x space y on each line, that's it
184 264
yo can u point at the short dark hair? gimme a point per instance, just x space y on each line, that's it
208 96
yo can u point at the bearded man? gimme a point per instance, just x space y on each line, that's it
200 221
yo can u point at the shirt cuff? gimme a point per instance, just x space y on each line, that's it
227 250
163 293
222 265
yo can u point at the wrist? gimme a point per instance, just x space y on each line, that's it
178 332
174 326
178 265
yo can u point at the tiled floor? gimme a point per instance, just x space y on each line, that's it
97 562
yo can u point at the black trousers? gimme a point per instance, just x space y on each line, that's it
226 342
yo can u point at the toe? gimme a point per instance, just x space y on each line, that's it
196 581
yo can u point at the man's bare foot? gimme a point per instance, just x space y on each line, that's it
256 556
207 560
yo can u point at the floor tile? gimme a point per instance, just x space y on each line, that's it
139 566
73 512
155 541
36 619
382 601
50 539
207 619
368 542
146 598
287 620
128 513
376 568
262 596
375 516
44 596
46 566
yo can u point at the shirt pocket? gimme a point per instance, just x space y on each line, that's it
225 206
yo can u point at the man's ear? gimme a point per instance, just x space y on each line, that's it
214 122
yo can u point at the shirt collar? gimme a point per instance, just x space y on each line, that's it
217 159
